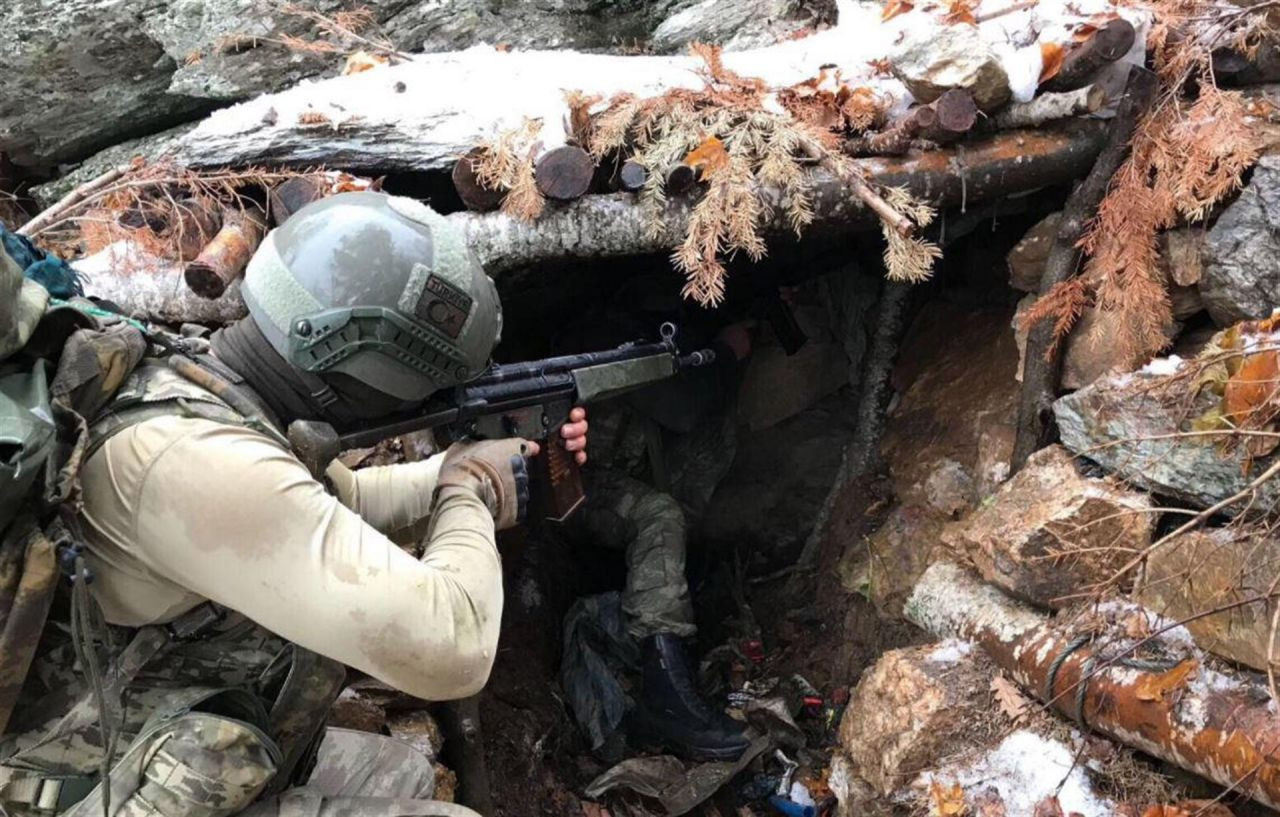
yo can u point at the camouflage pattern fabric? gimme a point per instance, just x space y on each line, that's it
22 302
28 575
626 514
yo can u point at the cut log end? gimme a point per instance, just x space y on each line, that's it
1082 63
632 176
474 195
564 174
204 281
681 179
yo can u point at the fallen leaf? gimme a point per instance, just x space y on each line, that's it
1009 697
1051 55
895 7
1155 686
1048 807
960 11
709 157
1253 388
948 801
989 803
881 67
362 61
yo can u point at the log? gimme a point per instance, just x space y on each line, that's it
603 226
632 176
1042 361
1216 724
680 179
1049 107
564 174
473 194
196 226
1083 62
292 195
955 113
944 120
226 256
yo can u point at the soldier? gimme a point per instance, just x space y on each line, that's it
650 525
234 585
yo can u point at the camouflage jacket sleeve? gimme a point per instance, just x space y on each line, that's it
181 509
389 497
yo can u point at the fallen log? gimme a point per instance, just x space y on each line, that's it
1049 107
944 120
564 174
1215 724
602 226
631 176
224 259
1083 62
474 194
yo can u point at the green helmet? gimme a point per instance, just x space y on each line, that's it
376 287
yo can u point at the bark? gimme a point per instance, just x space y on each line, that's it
1051 106
1215 724
1042 360
944 120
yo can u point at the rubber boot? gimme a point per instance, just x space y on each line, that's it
672 715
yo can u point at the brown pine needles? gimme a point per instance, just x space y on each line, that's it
770 155
506 163
1187 155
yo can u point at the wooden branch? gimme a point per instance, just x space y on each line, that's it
1042 361
474 194
564 174
955 114
1082 63
851 175
69 202
631 176
680 179
1213 723
944 120
226 256
1049 107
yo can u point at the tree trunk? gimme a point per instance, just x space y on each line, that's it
1218 725
1042 360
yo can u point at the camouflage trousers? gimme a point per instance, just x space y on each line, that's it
626 514
358 774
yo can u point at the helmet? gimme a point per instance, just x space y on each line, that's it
378 288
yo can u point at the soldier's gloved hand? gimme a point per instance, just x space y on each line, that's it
496 471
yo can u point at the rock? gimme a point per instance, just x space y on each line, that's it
1026 259
419 729
1050 533
1180 251
1129 424
1093 348
995 451
739 24
950 489
913 708
885 566
955 380
353 710
1204 569
1240 279
932 59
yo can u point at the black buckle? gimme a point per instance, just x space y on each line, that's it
195 622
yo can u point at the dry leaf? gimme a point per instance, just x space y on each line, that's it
1009 697
960 11
948 801
1252 388
989 803
1187 808
362 61
881 67
710 157
1048 807
1051 56
895 7
1154 687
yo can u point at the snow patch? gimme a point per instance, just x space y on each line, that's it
1162 366
950 651
1026 768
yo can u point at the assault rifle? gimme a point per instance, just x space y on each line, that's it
530 400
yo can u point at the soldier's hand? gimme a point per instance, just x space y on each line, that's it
496 470
574 434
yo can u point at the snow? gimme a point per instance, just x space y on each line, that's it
1162 366
950 651
1025 769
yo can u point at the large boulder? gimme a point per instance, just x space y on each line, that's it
1208 569
1051 532
915 707
739 24
1240 278
931 60
104 72
1134 424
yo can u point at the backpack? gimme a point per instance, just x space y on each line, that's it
60 361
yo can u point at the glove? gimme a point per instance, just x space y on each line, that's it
495 470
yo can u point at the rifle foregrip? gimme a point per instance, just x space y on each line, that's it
561 480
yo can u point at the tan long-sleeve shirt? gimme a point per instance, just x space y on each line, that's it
179 510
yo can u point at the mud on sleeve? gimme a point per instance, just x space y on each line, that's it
388 497
236 518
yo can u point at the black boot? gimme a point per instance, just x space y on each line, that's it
671 714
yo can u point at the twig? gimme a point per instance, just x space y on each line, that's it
848 174
71 200
1016 7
